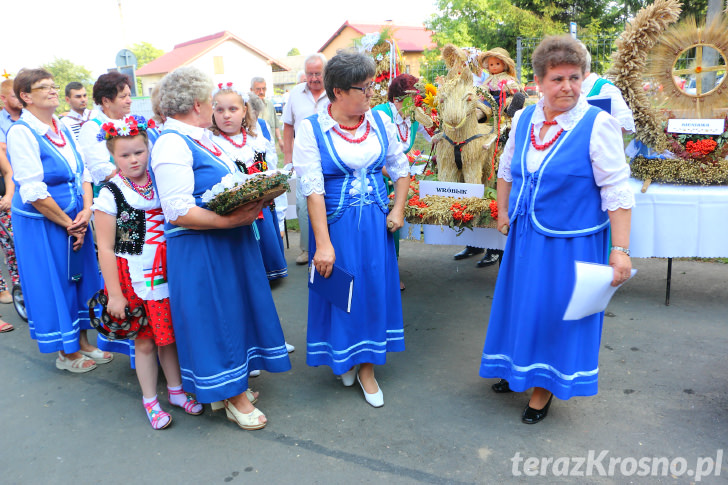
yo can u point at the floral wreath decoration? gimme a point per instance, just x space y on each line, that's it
132 125
230 86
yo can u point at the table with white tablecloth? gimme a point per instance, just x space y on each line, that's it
668 221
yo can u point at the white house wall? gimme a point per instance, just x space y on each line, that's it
239 64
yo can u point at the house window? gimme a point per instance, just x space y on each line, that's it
407 69
218 65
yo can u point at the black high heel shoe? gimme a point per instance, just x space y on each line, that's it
501 387
533 416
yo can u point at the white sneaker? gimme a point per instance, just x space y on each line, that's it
254 373
290 348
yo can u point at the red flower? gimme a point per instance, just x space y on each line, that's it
151 124
133 131
457 215
467 217
429 172
229 84
493 209
418 100
110 129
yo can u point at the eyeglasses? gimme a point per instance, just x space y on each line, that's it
314 74
46 88
365 89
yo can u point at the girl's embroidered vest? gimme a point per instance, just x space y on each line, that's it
64 184
208 170
561 197
131 224
338 177
386 108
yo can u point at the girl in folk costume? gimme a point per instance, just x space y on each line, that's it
502 82
234 128
132 256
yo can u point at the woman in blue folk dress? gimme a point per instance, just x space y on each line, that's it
51 210
339 155
224 318
562 182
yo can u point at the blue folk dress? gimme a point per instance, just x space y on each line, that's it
224 318
356 209
57 308
556 219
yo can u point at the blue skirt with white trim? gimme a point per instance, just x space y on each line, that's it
225 321
271 245
528 343
365 249
57 308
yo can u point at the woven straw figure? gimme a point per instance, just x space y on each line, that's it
460 153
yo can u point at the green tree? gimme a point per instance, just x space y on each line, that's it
64 72
145 53
294 52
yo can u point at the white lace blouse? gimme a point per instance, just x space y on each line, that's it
357 156
172 166
95 154
24 153
611 171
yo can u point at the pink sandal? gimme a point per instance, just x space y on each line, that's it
155 417
191 406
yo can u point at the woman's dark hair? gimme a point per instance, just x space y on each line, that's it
26 78
400 85
345 69
557 50
109 85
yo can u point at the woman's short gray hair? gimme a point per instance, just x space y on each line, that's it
557 50
179 90
345 69
255 104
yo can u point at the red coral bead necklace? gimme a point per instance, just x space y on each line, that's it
214 150
232 142
406 132
146 190
353 140
63 138
548 143
347 128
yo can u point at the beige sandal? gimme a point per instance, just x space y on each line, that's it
74 366
249 421
218 405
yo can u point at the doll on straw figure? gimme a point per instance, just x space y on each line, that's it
502 82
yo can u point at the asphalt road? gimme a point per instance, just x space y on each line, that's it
661 405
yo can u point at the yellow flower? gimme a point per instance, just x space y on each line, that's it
430 89
429 100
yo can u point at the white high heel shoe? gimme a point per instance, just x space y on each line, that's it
375 400
348 378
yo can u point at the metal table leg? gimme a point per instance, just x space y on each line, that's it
669 280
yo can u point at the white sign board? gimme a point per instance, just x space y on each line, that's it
450 189
572 29
696 127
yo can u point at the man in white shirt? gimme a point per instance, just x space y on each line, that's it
305 99
258 86
77 99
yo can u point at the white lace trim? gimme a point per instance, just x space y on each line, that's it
177 206
33 191
100 172
618 196
399 169
504 172
312 183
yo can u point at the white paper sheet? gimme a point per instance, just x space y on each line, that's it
592 290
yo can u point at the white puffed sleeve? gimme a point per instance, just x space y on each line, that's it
307 160
105 202
395 161
174 177
504 164
95 154
611 171
24 154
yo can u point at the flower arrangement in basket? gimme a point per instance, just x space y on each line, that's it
237 189
456 213
387 58
421 105
706 149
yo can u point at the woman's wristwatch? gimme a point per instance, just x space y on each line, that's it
620 248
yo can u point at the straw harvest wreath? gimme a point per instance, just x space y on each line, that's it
237 189
651 47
